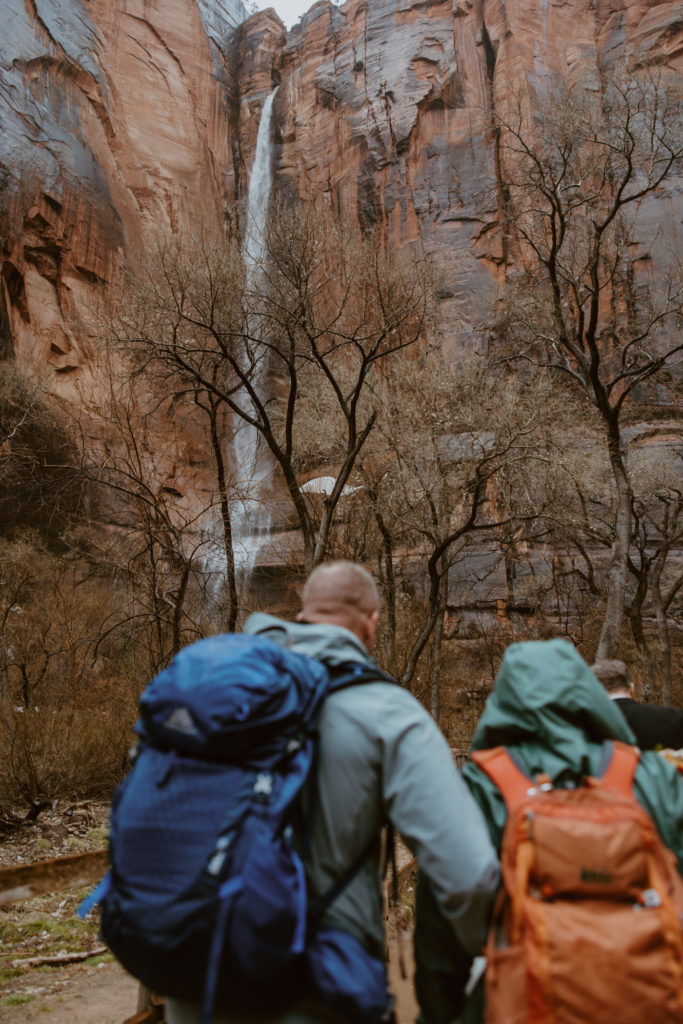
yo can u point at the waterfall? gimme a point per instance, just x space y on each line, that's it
252 467
260 182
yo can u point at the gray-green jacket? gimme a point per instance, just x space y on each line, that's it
382 758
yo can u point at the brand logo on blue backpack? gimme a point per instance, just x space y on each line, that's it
206 897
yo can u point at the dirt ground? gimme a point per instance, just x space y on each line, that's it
97 990
75 994
105 994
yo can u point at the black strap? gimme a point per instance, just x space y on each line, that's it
318 908
349 673
391 862
354 673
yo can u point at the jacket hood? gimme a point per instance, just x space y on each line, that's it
333 645
545 693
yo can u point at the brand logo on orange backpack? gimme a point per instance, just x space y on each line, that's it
598 877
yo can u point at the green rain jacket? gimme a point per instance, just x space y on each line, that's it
550 709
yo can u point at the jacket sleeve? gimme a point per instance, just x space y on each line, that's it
658 787
429 804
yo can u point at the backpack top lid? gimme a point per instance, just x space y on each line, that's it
225 695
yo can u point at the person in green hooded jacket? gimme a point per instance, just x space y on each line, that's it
548 707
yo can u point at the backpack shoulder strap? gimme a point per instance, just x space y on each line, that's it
342 676
501 768
621 766
318 908
353 673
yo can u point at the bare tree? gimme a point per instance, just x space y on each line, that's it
64 719
583 299
449 469
158 544
290 350
39 481
559 579
657 539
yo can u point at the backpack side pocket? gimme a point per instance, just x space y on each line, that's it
347 978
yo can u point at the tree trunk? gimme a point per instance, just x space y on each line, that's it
435 662
388 583
664 653
663 633
439 557
221 477
433 602
635 618
178 608
641 573
608 647
355 443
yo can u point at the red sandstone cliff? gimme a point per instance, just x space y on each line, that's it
386 106
125 120
115 130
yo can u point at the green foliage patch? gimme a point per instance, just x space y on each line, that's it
17 1000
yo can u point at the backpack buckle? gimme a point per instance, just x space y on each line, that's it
219 855
650 898
263 786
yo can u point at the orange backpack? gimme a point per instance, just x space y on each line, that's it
588 928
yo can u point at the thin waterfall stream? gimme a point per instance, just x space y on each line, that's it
252 466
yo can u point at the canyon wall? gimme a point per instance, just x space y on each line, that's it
124 121
114 131
386 106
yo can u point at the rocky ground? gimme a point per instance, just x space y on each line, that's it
35 934
66 829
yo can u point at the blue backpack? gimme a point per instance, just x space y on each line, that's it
206 898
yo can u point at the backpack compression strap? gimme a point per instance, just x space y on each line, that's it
621 769
513 783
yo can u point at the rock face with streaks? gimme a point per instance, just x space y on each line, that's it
386 106
396 95
124 120
114 117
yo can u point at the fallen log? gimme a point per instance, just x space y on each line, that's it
21 882
59 958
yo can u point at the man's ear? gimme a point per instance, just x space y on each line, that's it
371 628
632 691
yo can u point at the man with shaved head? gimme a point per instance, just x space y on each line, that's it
342 594
382 760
